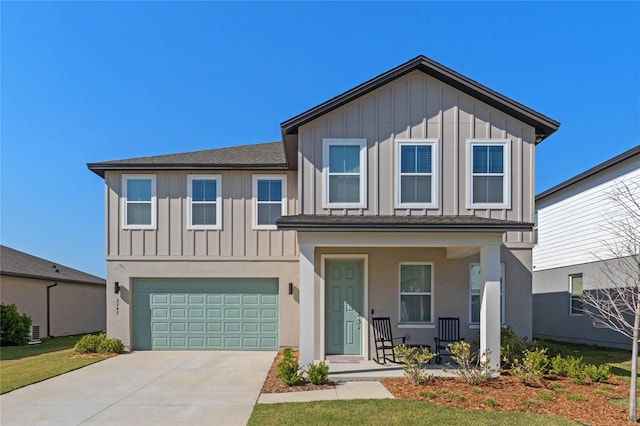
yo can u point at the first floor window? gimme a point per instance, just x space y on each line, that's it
575 291
489 174
475 286
270 200
204 200
416 293
139 197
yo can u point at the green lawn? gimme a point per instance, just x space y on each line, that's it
23 365
387 412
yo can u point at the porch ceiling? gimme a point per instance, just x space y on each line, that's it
324 223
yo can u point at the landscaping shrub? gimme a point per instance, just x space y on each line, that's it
98 344
289 371
14 326
472 368
532 367
512 347
598 373
578 370
318 373
413 361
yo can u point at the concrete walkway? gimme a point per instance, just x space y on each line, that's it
344 390
146 388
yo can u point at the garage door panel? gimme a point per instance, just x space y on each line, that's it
240 314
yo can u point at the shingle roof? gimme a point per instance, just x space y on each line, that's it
399 223
20 264
261 156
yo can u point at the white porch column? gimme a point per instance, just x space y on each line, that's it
490 304
307 305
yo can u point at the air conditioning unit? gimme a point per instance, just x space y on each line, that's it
34 335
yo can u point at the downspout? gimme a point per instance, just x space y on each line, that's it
55 283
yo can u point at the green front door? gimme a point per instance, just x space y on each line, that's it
343 307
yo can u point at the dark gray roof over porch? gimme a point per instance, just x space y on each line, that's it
399 223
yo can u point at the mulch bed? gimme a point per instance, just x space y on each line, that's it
587 404
559 396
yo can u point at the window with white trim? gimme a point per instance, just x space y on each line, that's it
204 202
575 291
416 293
345 173
489 172
269 200
416 174
475 286
139 201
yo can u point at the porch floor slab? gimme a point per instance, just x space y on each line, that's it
359 370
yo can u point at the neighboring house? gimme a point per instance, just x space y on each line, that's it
570 253
408 196
60 300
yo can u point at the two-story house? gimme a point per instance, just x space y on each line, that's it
409 196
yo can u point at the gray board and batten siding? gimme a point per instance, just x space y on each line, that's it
171 238
417 106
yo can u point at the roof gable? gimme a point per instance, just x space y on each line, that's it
19 264
544 126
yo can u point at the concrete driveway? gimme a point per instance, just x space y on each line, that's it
146 388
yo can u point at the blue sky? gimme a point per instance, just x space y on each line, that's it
87 82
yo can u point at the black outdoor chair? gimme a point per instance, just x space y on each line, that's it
448 332
384 340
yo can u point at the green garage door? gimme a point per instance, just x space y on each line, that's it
230 314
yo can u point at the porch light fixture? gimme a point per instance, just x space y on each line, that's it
116 287
290 288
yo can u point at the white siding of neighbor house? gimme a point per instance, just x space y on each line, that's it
571 223
236 240
417 106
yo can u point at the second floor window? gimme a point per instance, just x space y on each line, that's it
575 294
489 174
270 200
344 167
415 173
205 202
139 201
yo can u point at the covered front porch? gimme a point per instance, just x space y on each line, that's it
412 269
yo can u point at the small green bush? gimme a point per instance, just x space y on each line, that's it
98 344
532 367
318 373
598 373
472 368
289 371
14 326
489 402
413 362
577 397
511 346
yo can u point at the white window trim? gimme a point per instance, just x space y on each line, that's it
218 179
571 294
433 143
503 290
283 201
362 143
125 201
429 324
506 196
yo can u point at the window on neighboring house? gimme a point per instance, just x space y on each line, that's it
416 177
575 290
416 293
489 174
535 227
270 200
139 201
344 167
475 285
204 202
